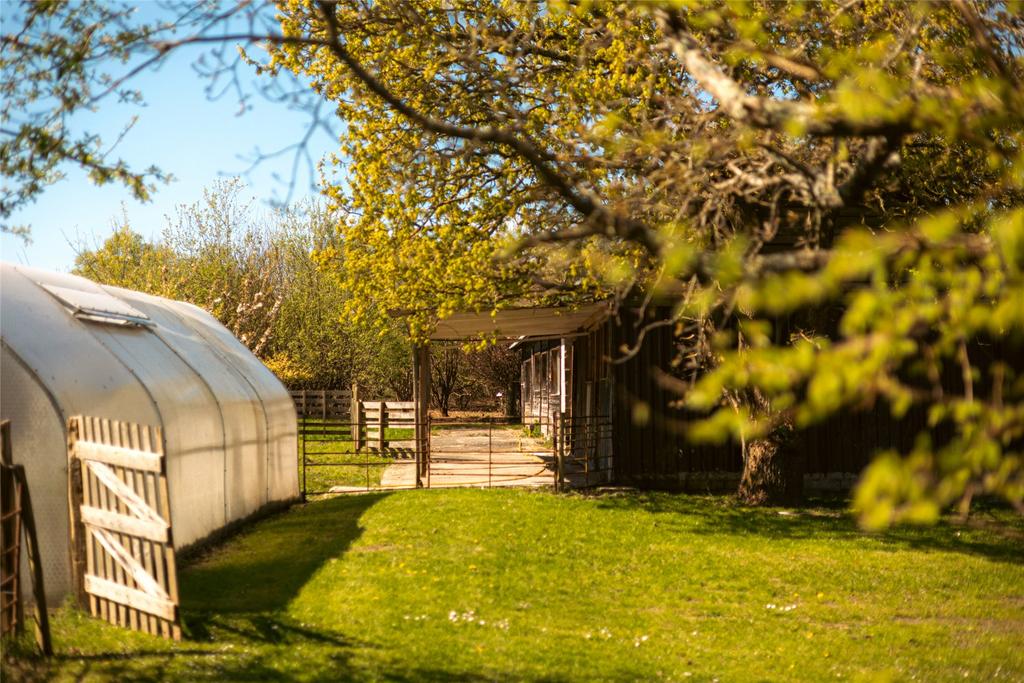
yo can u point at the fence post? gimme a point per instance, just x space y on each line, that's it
426 451
76 535
381 441
559 439
357 432
302 442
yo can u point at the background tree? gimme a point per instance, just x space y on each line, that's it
446 375
496 368
256 272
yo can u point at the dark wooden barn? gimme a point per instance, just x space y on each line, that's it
573 369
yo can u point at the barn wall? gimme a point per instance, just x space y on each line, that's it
650 446
650 449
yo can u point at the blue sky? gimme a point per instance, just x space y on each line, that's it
179 130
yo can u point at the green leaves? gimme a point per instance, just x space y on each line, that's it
52 60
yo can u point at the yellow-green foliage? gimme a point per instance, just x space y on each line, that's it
664 145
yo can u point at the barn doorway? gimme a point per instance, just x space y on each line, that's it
560 435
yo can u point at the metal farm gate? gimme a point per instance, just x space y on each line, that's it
123 558
381 452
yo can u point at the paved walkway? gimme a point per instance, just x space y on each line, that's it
476 456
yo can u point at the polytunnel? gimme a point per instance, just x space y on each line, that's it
73 347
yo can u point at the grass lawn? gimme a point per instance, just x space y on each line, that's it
482 584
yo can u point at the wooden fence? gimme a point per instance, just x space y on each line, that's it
375 418
323 403
122 548
370 419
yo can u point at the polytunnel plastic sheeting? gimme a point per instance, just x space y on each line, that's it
53 368
282 461
36 421
182 372
241 409
71 363
193 431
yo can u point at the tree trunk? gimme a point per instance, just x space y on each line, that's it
772 475
509 401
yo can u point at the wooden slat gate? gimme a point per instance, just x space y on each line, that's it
121 543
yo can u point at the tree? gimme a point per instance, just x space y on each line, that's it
446 375
496 369
742 163
256 273
672 150
50 73
126 259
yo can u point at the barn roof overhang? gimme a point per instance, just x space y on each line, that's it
541 322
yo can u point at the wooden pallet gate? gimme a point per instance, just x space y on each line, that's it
122 547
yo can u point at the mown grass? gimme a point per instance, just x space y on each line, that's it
483 584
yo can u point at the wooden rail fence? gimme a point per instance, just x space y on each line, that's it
323 403
370 419
376 417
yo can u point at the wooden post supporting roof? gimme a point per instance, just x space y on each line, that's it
421 400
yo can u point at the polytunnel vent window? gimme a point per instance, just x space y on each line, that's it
98 307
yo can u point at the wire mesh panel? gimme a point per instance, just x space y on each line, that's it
344 457
121 525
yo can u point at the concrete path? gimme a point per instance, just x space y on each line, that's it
476 456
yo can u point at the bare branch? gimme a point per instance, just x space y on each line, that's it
764 112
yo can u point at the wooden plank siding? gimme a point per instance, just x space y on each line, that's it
656 453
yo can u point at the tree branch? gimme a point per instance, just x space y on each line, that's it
583 201
764 112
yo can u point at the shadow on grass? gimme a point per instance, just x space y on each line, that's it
828 518
261 573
